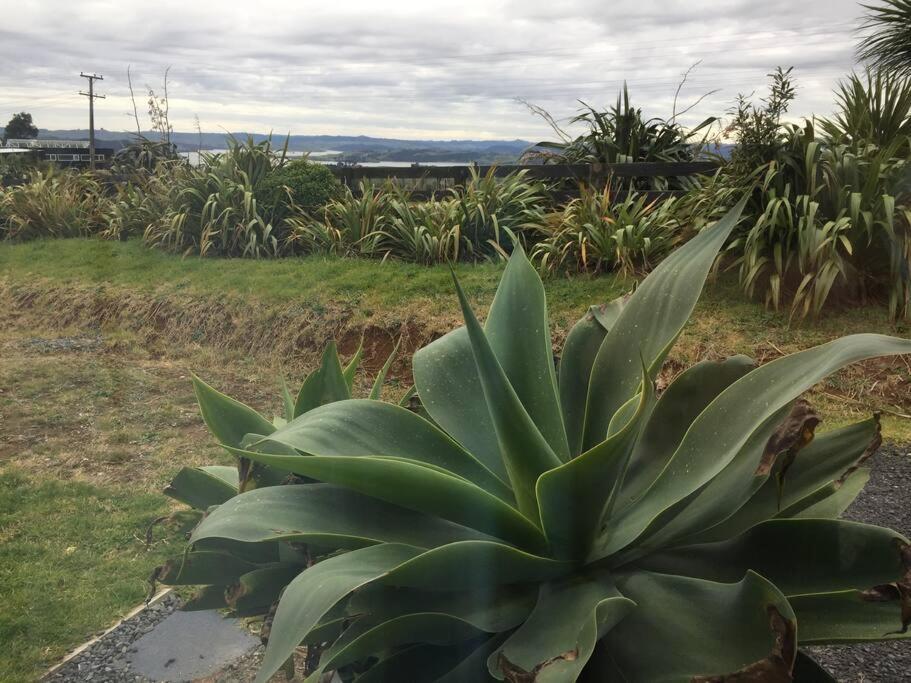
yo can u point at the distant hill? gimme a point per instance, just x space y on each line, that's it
347 147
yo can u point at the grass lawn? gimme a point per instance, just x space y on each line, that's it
97 340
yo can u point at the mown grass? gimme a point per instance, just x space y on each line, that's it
71 559
89 436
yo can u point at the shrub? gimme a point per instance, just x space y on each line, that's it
491 211
607 231
559 526
834 218
621 134
53 203
302 184
213 209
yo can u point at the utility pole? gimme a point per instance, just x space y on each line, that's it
92 97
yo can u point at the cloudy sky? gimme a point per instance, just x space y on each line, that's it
410 69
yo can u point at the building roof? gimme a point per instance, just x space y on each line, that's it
47 144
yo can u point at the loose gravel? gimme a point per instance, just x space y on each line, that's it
886 501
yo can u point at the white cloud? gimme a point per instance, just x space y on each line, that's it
407 68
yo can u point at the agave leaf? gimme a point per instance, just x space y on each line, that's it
524 449
469 564
678 406
556 641
350 370
519 312
254 593
227 419
428 628
325 385
377 389
650 322
851 616
363 427
415 486
830 501
310 596
579 351
717 435
418 664
473 668
287 402
206 598
204 567
797 555
735 626
576 497
446 378
202 487
325 515
817 466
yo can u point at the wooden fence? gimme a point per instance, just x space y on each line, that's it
590 173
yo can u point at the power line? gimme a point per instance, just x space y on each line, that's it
92 97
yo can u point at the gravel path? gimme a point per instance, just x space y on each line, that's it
106 661
886 501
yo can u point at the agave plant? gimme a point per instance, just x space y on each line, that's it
544 525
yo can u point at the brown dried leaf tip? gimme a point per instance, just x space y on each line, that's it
795 432
897 591
776 668
516 674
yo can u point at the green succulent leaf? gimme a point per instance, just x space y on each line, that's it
363 427
684 629
680 404
203 487
204 567
717 435
469 564
414 486
447 382
579 352
559 636
813 477
310 596
254 593
808 670
377 391
350 371
525 451
325 385
227 419
576 498
650 322
519 311
797 555
327 516
851 616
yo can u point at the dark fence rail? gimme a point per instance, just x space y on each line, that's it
351 175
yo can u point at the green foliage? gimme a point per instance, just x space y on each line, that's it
607 231
887 41
213 209
622 134
301 184
834 219
872 110
19 127
476 221
757 129
53 203
542 525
